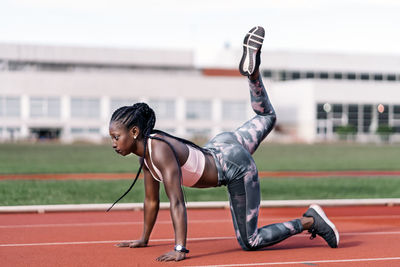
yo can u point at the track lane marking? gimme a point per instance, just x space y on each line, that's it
112 241
102 224
190 221
299 262
171 239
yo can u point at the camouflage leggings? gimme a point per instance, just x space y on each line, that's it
236 168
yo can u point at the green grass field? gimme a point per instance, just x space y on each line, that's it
78 158
55 158
29 192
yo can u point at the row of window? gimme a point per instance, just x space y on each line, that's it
285 75
365 118
50 107
54 133
278 75
81 130
95 130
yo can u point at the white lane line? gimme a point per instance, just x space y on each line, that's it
111 241
170 239
102 224
190 221
68 225
378 217
372 233
299 262
61 243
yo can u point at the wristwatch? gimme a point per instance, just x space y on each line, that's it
181 248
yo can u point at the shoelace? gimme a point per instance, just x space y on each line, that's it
313 232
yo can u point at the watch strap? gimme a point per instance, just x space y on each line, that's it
181 248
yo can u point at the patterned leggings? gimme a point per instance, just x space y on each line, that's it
236 168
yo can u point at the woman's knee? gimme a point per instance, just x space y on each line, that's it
269 121
247 246
273 118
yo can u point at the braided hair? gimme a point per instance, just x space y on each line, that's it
141 115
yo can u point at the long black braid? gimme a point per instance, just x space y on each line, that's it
141 115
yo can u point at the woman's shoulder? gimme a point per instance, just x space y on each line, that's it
160 142
166 146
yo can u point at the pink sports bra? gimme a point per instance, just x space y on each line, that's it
191 170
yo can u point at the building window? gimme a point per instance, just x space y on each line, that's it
10 106
351 76
321 113
85 108
337 110
295 75
198 110
396 112
44 107
94 130
282 75
310 75
378 77
338 76
391 77
164 109
267 73
234 110
76 130
364 76
383 116
116 103
82 130
323 75
353 115
367 118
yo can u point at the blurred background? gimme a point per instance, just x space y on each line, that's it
331 68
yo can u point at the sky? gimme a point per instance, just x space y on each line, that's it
340 26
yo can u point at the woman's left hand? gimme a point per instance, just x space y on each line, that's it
172 256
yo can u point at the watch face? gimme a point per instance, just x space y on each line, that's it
181 248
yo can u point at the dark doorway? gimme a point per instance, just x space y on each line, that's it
45 133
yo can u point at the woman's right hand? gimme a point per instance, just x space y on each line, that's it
133 244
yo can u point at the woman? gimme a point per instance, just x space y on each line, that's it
225 160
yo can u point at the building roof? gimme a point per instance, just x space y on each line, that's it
96 55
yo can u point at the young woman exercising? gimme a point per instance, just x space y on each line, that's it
225 160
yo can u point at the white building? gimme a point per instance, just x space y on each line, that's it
70 93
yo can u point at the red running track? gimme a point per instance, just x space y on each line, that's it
370 236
